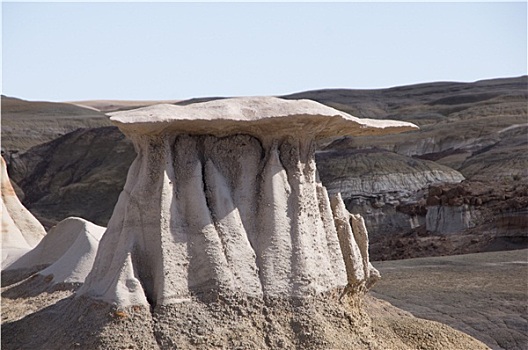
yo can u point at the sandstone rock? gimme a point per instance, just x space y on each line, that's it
353 239
66 253
377 183
476 128
224 198
20 230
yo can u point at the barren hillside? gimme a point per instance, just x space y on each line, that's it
473 131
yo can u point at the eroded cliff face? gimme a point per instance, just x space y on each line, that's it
379 185
466 217
458 207
450 219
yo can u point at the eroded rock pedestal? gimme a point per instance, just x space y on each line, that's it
224 197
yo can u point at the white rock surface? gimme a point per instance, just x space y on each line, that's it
354 242
224 197
21 231
76 262
256 116
376 184
67 252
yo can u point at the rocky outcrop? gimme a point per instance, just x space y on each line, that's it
474 129
372 172
468 217
224 198
64 255
377 184
450 219
224 236
354 242
457 207
20 230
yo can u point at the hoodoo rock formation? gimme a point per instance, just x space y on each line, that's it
20 230
224 198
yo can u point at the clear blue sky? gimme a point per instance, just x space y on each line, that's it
80 51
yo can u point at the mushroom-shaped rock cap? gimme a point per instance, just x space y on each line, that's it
258 116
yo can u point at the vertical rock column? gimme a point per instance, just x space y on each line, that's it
224 197
21 231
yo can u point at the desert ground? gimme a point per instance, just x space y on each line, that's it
484 295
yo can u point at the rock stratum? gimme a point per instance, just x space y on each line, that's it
26 124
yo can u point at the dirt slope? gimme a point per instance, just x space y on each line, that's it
36 317
28 123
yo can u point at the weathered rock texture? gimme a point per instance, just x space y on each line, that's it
78 174
457 207
450 219
460 218
64 255
376 184
224 197
353 240
240 216
20 230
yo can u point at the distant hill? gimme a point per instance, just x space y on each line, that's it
458 121
106 106
29 123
